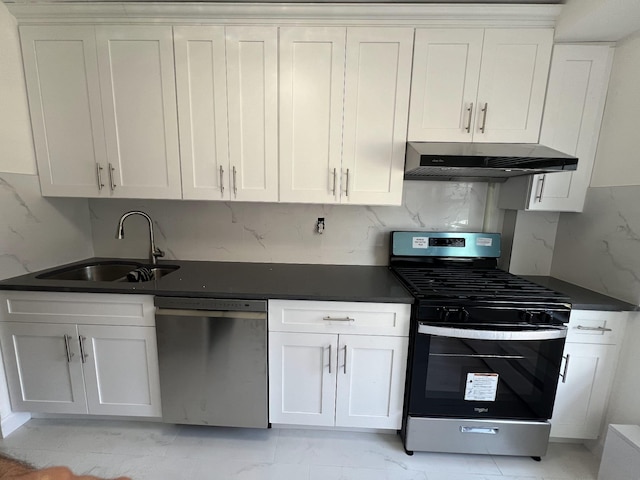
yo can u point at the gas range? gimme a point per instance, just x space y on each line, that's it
485 347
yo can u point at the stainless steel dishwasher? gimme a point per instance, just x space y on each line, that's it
213 361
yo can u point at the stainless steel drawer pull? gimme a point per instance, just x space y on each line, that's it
563 375
541 179
99 171
484 117
83 355
345 359
346 191
329 359
112 182
67 348
339 319
485 430
221 181
333 190
235 182
470 110
594 329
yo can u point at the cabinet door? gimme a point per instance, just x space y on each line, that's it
583 393
61 73
43 367
252 89
201 83
302 378
446 66
121 370
376 106
572 116
371 374
139 107
513 80
311 102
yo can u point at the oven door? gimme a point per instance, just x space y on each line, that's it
477 372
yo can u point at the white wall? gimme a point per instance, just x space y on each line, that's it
618 158
16 151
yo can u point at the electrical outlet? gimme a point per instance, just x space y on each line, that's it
320 225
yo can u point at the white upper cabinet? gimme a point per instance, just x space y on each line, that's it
446 67
139 108
61 72
252 89
311 104
376 106
572 116
479 85
201 82
343 114
103 110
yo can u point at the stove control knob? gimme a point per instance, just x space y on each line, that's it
464 315
528 316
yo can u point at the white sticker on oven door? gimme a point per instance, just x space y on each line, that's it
420 242
481 387
484 241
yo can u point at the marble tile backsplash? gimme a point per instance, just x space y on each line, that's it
600 248
256 232
37 232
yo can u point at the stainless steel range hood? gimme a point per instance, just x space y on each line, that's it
482 162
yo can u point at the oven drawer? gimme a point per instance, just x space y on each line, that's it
493 437
590 326
339 317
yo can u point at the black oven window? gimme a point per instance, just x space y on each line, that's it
521 382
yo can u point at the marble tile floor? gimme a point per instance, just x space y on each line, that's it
155 451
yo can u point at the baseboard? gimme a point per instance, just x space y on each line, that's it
12 422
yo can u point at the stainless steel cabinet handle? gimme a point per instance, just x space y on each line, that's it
235 184
484 117
563 375
221 180
67 348
339 319
83 355
345 359
99 172
329 359
333 190
540 186
594 329
470 110
346 188
112 183
485 430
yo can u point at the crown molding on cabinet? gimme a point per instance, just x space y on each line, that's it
186 13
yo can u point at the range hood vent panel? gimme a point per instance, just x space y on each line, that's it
482 162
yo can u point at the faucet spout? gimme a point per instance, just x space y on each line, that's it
155 251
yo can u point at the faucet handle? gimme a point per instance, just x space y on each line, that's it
157 252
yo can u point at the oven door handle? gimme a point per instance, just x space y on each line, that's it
471 334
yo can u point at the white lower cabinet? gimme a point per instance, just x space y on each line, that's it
352 379
589 363
54 365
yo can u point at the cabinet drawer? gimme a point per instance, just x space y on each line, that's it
85 308
606 328
339 317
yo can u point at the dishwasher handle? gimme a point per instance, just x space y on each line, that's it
167 312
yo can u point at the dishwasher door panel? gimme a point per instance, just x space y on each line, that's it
213 367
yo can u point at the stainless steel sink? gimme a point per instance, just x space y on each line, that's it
105 271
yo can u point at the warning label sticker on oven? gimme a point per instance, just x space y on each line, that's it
481 387
484 241
420 242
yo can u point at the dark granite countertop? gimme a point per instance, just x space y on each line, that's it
349 283
582 298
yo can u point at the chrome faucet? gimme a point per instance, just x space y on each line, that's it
155 251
